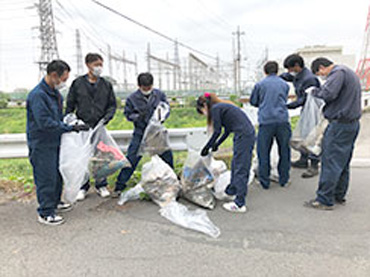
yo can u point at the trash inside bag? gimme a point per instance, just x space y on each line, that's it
159 181
195 173
75 152
217 167
156 139
107 157
310 128
202 197
131 194
196 220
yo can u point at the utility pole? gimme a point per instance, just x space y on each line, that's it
78 53
148 57
48 39
237 61
177 70
110 62
124 71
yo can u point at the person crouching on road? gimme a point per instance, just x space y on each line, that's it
233 120
270 96
93 99
44 130
140 106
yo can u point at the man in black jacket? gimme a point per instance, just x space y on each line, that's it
302 79
93 99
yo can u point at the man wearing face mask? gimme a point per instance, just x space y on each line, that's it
302 79
93 99
342 95
44 130
139 108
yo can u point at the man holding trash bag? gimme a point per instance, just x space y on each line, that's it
270 96
302 78
44 130
342 95
93 99
140 106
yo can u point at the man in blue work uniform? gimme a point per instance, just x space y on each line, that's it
44 130
342 95
270 96
302 79
139 108
92 98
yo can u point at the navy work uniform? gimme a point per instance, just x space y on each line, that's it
270 96
342 95
304 80
44 130
92 103
234 120
139 109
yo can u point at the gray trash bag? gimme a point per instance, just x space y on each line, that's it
159 181
196 220
197 180
130 194
309 131
156 138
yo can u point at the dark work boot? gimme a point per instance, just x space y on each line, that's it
311 172
300 163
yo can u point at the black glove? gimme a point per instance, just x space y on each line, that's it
215 148
78 128
106 120
204 152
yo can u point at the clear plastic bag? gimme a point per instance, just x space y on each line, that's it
309 131
196 220
107 157
75 152
131 194
159 181
221 184
156 139
195 173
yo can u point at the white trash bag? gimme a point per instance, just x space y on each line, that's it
75 152
156 138
131 194
221 184
196 220
310 128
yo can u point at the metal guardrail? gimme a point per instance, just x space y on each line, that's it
15 145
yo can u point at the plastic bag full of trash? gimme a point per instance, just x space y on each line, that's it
309 131
107 157
156 138
196 220
131 194
75 152
159 181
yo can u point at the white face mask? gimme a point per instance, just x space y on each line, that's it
293 73
60 86
146 92
97 71
323 78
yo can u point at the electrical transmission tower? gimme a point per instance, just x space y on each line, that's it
363 68
78 53
49 48
237 63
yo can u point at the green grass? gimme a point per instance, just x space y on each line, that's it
12 121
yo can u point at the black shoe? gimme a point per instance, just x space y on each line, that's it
300 164
340 201
64 207
317 205
311 172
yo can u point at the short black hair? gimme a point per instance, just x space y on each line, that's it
57 66
145 79
320 61
271 67
92 57
292 60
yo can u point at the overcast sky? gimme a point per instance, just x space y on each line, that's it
207 25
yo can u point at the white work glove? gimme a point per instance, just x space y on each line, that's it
309 90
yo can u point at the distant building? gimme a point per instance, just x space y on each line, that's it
334 53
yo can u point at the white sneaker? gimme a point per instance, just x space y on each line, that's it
232 207
81 195
103 192
51 220
64 207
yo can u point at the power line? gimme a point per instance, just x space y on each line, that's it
152 30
